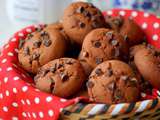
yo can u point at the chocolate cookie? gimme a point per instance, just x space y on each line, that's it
113 81
147 61
127 27
80 18
62 77
114 23
103 44
132 33
41 47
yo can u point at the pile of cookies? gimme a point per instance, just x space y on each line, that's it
87 54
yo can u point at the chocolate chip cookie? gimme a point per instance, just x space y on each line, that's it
103 44
62 77
80 18
147 61
113 82
41 47
128 28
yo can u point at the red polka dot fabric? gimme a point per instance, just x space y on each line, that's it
20 100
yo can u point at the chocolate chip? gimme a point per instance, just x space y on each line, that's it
114 42
66 112
37 44
124 77
43 33
44 72
95 24
126 38
118 22
110 35
26 51
35 56
111 86
118 94
97 44
80 9
21 43
87 14
29 36
149 46
99 60
47 42
156 53
69 62
52 84
38 29
98 71
53 69
81 25
59 66
85 54
109 72
90 84
63 76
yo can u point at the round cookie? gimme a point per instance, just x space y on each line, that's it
62 77
133 34
58 26
41 47
147 61
80 18
113 82
127 27
114 23
103 44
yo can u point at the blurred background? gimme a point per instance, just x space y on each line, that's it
16 14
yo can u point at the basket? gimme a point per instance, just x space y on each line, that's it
19 99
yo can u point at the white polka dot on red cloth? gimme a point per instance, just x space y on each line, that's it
13 39
28 102
24 88
1 96
5 79
14 90
61 109
20 34
24 114
22 101
155 37
109 12
37 90
50 113
41 115
134 14
34 115
7 93
122 13
144 25
16 50
6 46
63 100
10 54
4 60
14 104
14 118
9 68
5 109
0 69
28 30
29 115
146 15
49 99
37 100
156 25
16 78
